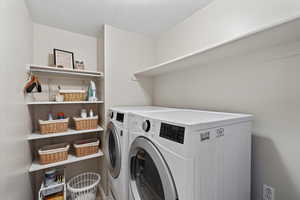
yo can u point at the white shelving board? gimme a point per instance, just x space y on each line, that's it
71 159
64 102
286 31
37 136
69 72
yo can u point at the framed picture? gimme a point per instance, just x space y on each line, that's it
63 59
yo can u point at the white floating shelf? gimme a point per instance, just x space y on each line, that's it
55 70
286 31
71 159
37 136
64 102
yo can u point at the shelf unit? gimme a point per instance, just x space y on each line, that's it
286 31
71 159
39 109
38 136
61 71
63 102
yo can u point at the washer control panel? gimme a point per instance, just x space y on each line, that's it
172 132
120 117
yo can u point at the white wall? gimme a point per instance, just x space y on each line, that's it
125 53
47 38
221 21
15 52
257 84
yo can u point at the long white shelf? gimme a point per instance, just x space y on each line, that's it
37 136
55 70
71 159
286 31
64 102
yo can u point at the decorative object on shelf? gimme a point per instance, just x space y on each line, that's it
73 95
83 113
84 186
59 97
60 115
53 153
92 92
91 113
63 59
86 147
53 126
50 117
86 123
32 83
79 65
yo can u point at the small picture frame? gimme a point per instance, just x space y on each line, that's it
63 59
79 65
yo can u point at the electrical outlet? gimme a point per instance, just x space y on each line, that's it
268 193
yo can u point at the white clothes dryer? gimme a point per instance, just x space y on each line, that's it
189 155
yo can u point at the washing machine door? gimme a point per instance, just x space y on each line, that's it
150 177
113 150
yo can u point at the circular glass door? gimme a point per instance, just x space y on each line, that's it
113 150
150 177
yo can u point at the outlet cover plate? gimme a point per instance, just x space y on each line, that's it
268 192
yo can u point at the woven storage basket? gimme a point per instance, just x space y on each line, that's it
86 147
86 123
73 95
53 126
53 153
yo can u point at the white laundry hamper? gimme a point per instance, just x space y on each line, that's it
84 186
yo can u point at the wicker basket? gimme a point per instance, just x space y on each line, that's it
73 95
86 123
86 147
53 153
53 126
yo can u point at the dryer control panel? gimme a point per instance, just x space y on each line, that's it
172 132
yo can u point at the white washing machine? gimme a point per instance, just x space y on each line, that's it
189 155
116 148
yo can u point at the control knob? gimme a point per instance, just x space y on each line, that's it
111 115
146 125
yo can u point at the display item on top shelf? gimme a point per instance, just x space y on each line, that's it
73 95
53 153
86 123
53 126
86 147
79 65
